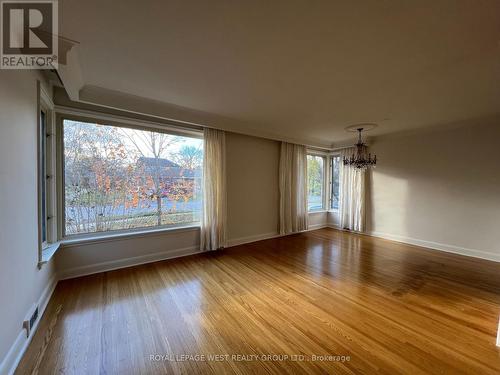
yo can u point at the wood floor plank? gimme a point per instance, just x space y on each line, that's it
390 308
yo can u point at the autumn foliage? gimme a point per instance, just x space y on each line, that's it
118 178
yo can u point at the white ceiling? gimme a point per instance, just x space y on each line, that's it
302 70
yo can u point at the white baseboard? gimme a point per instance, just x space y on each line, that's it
267 236
316 226
126 262
249 239
16 351
438 246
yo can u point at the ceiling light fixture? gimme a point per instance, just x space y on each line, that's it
360 159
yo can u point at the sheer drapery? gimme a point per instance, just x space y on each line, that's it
293 188
213 222
352 195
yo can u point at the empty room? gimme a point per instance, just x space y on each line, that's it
250 187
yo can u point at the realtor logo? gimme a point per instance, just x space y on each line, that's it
29 34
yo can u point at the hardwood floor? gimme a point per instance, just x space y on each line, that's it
386 307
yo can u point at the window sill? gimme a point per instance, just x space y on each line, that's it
107 237
48 253
317 211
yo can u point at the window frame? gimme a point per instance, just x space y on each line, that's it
326 179
64 113
42 179
46 173
331 156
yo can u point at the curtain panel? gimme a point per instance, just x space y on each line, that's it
293 188
352 195
213 221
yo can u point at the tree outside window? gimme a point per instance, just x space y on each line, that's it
119 178
315 182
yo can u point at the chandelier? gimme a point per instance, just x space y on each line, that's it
360 159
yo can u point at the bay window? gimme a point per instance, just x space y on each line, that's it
319 176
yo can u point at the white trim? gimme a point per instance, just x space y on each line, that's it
48 252
45 97
127 262
429 244
322 211
439 246
316 226
249 239
16 351
268 236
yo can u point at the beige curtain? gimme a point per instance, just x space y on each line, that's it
293 188
352 195
213 222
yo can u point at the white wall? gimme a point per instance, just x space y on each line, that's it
252 187
440 188
21 283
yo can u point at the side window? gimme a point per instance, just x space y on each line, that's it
335 183
315 182
42 176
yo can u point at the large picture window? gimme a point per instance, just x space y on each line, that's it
315 182
118 178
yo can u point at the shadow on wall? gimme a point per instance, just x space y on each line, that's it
440 185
